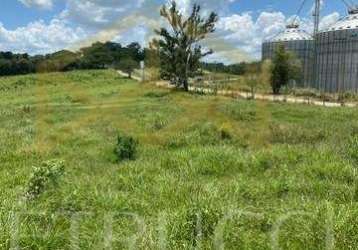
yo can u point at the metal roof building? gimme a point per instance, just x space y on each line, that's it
299 43
337 56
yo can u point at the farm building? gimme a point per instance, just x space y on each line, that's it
329 58
300 43
337 56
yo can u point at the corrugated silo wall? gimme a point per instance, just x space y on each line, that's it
337 61
304 50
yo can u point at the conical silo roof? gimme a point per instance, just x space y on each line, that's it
291 33
345 23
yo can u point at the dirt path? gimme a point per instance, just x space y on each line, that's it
165 84
266 97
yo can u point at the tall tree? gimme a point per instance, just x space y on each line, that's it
280 69
135 51
179 48
128 65
286 67
96 56
296 71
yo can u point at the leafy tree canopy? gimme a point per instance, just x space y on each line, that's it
285 67
128 65
179 47
97 56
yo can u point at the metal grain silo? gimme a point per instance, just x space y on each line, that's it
337 56
298 42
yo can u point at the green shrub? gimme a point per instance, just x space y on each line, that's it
226 131
225 134
352 148
48 174
126 148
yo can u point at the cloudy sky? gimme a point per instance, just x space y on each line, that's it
43 26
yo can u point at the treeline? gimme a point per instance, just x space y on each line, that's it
13 64
101 56
97 56
236 69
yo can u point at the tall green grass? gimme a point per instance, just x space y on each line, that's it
210 172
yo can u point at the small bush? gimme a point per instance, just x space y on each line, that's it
352 148
126 148
226 132
43 177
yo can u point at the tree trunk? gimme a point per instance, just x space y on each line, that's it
185 82
275 89
186 85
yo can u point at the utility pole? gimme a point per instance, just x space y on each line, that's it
316 16
142 67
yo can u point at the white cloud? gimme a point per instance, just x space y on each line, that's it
45 4
96 14
329 20
239 35
39 37
219 6
137 34
248 34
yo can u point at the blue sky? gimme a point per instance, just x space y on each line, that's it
288 7
14 14
42 26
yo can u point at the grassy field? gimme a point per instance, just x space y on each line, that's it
210 173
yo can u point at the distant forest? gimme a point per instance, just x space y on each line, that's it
97 56
235 69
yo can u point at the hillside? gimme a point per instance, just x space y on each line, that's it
259 174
